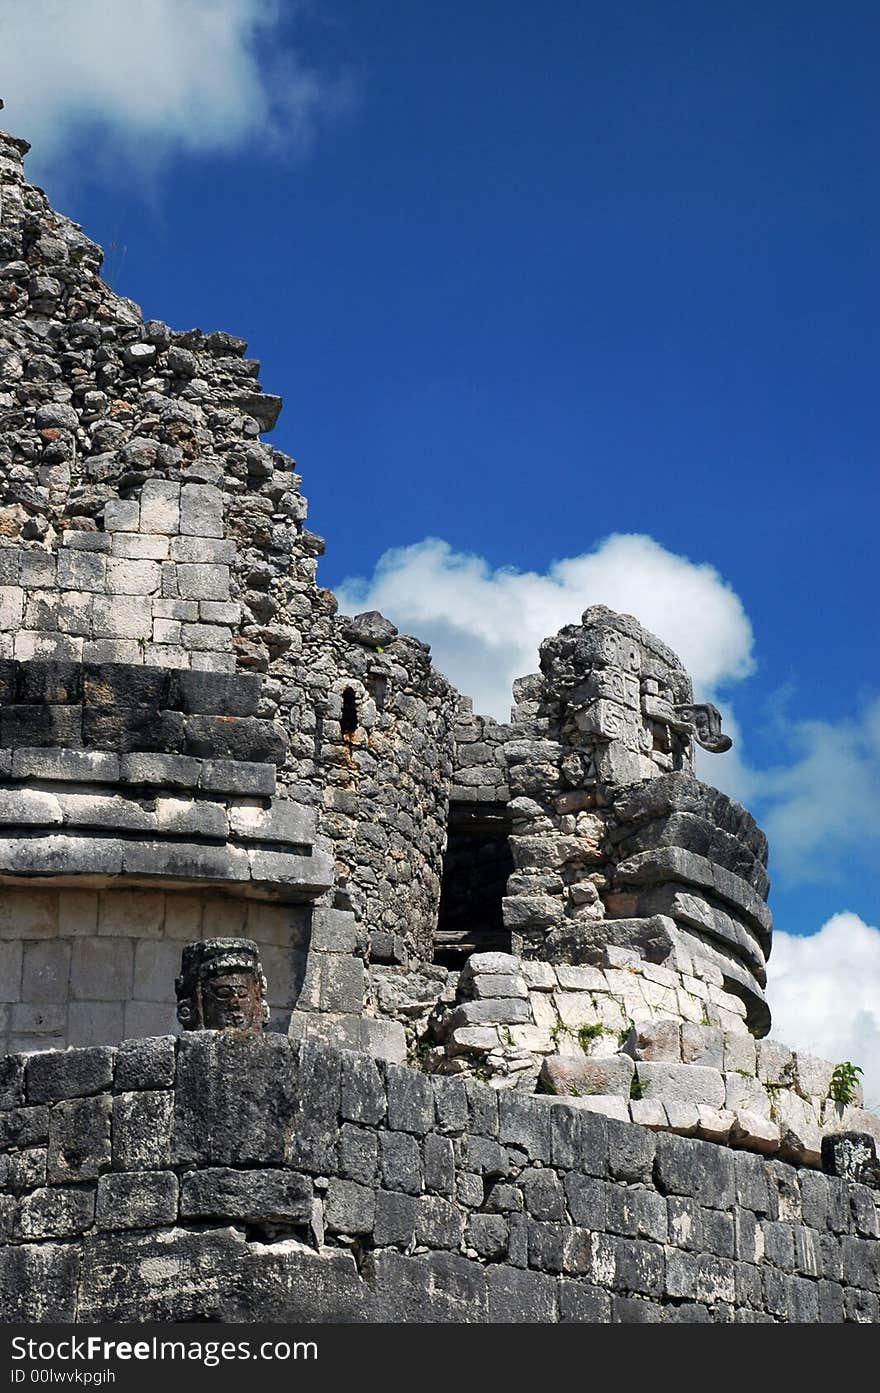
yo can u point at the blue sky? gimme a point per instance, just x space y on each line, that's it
528 277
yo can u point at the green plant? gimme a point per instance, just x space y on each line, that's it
623 1035
844 1081
588 1033
556 1033
636 1088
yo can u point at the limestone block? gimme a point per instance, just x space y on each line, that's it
754 1132
800 1138
274 1196
71 1074
11 607
37 570
740 1052
650 1113
105 810
581 979
61 1211
684 1118
166 655
544 1011
101 969
212 661
127 616
121 515
126 577
745 1093
10 971
45 971
106 650
201 511
236 1098
384 1040
78 765
139 546
167 631
218 612
702 1044
191 549
655 1040
160 507
561 1074
156 964
812 1076
205 637
81 570
28 913
25 807
490 986
505 964
715 1124
48 647
575 1009
478 1040
183 917
683 1083
131 913
608 1105
141 1130
203 581
775 1062
186 815
540 976
284 821
79 1139
178 609
136 1200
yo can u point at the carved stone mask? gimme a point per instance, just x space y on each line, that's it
222 986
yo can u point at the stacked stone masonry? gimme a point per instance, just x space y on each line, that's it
235 1178
518 1064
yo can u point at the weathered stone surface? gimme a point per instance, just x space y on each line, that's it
136 1201
566 1074
255 1196
142 1123
74 1074
235 1099
681 1083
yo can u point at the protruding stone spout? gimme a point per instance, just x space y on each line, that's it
706 721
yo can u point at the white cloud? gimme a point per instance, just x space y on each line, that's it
485 625
150 76
824 993
824 804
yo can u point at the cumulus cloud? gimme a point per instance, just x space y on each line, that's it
157 75
825 803
485 624
824 993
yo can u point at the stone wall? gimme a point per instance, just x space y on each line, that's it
238 1179
86 967
144 522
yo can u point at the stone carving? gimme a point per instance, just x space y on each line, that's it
222 986
706 720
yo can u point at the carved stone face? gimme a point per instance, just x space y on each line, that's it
232 1001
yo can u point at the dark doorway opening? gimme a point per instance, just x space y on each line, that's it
475 872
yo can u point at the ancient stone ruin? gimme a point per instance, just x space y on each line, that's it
343 1001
